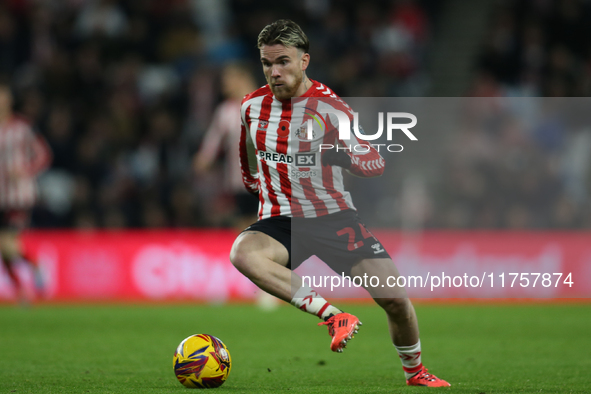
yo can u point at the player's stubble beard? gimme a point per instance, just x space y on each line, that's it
288 91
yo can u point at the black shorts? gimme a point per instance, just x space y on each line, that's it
340 239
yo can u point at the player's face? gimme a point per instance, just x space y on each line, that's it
284 70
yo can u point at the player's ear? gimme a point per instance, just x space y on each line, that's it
305 61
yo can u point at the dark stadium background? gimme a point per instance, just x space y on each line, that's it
134 243
125 105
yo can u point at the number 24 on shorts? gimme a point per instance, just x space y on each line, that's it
350 231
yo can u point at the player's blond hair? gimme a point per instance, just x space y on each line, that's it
284 32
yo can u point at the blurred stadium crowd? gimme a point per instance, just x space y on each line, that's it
526 165
124 90
537 48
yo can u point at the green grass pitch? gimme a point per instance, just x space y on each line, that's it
128 349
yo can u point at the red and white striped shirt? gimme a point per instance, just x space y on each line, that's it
23 155
281 159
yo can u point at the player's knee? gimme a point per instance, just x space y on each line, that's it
237 257
241 256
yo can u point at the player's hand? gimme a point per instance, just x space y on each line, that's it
332 157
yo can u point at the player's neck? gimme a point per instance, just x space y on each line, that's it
304 87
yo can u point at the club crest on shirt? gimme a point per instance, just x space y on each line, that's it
302 133
262 125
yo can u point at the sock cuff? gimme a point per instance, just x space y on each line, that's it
413 370
409 349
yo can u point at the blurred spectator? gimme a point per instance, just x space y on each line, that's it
535 172
101 18
539 46
223 135
23 155
124 92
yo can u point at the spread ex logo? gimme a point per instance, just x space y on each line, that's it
305 159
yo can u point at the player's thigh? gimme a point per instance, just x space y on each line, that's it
252 247
382 277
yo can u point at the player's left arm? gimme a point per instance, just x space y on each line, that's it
358 157
367 164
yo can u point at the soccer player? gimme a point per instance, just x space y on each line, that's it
23 155
304 212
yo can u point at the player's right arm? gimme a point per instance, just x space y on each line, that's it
248 160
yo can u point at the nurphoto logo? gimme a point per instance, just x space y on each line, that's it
344 127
